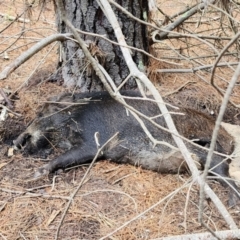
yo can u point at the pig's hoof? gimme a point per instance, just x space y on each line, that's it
41 172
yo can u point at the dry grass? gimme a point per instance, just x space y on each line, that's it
112 194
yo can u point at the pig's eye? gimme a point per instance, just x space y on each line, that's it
25 139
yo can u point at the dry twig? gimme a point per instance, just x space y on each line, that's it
30 52
11 18
214 138
81 183
227 234
136 73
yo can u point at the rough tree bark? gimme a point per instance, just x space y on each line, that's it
86 15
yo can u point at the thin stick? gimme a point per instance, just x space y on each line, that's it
139 75
6 98
234 39
144 212
18 19
30 52
214 139
17 114
81 183
227 234
193 70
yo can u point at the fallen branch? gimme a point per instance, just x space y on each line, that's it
31 51
11 18
193 70
165 31
227 234
142 77
170 36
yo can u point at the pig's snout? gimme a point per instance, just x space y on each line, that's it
21 141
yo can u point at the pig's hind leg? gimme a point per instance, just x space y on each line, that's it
222 173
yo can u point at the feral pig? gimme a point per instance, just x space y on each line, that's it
70 123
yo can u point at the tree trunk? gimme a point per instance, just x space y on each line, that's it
87 16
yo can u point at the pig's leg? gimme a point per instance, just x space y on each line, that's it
222 170
75 156
84 154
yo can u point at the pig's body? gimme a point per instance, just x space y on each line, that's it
73 129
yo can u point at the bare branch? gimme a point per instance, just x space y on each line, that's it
227 234
31 51
214 137
171 36
130 47
12 21
131 16
224 12
234 39
19 19
162 35
193 70
139 75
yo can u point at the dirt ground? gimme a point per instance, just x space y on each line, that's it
112 196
